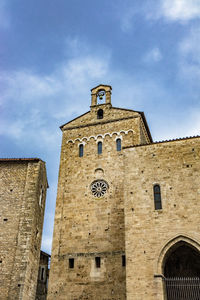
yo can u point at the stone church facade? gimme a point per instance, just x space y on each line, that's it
127 210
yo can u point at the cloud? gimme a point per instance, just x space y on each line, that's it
168 10
34 105
154 55
180 10
127 10
44 100
189 56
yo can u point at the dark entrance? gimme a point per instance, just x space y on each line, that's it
182 273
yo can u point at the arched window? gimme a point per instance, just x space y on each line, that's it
118 145
81 150
157 197
99 147
100 114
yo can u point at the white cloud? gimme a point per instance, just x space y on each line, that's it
35 105
154 55
44 98
169 10
23 86
180 10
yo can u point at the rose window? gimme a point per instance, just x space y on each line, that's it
99 188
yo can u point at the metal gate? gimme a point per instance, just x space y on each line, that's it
182 288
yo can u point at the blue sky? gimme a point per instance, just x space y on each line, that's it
52 52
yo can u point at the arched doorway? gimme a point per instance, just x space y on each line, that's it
181 269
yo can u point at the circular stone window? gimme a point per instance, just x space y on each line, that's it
99 188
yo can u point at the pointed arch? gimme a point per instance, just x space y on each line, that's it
171 244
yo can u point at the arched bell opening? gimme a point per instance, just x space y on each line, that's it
101 96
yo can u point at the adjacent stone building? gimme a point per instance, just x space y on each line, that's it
127 210
23 185
43 276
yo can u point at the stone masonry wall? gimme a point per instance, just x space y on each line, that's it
22 220
175 167
87 227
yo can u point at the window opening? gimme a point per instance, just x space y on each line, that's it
99 188
42 273
118 145
100 114
71 263
98 262
123 260
99 147
101 95
157 197
81 150
41 196
181 272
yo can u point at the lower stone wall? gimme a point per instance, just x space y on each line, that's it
86 281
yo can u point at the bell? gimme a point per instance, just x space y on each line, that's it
101 97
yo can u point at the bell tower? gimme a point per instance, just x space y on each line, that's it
101 94
88 253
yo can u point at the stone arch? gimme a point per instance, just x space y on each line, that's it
99 136
84 138
115 133
123 131
172 244
70 142
119 134
92 137
78 140
107 134
130 130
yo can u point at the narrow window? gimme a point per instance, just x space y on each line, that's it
157 197
98 262
123 261
118 145
100 114
81 150
42 273
71 263
99 147
41 196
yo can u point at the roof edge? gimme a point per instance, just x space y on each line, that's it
143 118
101 85
74 119
164 141
36 159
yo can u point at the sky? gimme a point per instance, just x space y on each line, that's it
52 52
